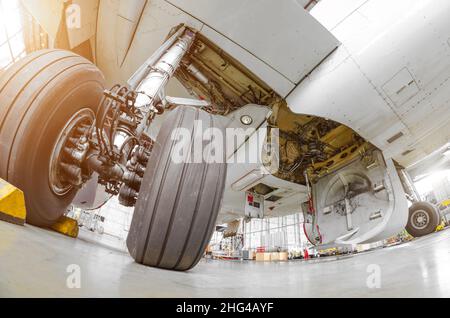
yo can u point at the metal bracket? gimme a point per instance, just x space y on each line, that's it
175 101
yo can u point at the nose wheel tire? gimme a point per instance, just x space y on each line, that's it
423 219
39 96
178 203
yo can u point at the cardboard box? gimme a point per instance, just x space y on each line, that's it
275 257
260 257
267 257
284 256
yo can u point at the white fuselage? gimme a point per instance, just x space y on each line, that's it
389 78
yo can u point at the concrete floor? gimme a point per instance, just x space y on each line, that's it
34 262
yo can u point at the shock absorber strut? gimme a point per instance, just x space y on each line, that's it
153 86
152 89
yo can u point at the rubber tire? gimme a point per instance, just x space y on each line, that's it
433 215
38 96
178 204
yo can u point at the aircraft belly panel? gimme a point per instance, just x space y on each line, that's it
265 28
338 90
389 80
275 80
158 19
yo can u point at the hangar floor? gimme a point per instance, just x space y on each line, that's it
34 262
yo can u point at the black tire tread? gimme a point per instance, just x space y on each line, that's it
34 93
173 233
12 113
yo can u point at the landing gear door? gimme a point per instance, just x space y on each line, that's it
363 202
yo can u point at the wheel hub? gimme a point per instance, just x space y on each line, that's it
420 219
67 155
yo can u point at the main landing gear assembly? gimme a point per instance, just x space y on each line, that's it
59 127
60 130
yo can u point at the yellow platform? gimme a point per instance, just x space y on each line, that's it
12 204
